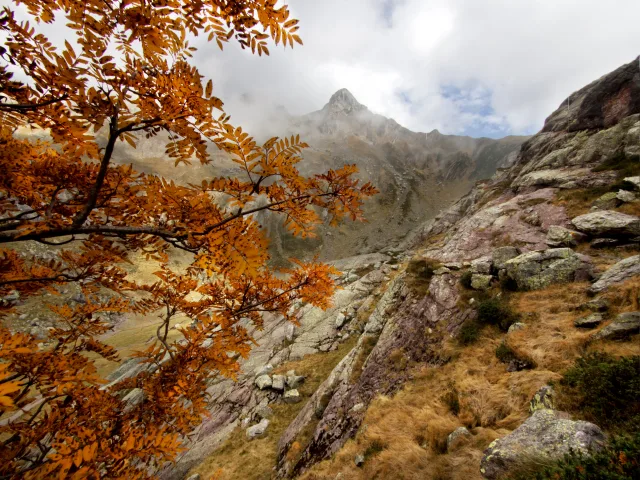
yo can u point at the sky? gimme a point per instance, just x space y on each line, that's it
473 67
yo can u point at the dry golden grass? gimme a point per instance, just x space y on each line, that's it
413 426
239 458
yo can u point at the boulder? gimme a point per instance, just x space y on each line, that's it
294 381
544 436
625 196
480 282
604 243
263 381
536 270
359 460
482 265
624 326
516 326
608 223
544 398
257 430
607 201
596 305
264 411
341 319
453 265
292 396
264 370
503 254
441 271
460 432
591 321
278 382
618 273
635 181
558 236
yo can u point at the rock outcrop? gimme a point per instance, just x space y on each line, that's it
624 326
544 437
608 224
618 273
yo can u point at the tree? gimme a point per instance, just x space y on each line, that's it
125 70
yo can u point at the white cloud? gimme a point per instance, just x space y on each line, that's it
524 57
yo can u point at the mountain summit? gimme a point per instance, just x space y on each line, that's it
343 101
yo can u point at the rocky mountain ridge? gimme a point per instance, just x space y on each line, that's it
564 213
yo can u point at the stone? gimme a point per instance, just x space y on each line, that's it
503 254
608 223
618 273
341 319
12 297
596 305
544 398
625 196
516 326
359 460
537 270
458 433
558 236
277 382
635 181
263 381
292 396
624 326
264 370
607 201
482 265
532 219
264 411
480 282
591 321
294 381
358 407
195 476
604 243
258 430
441 271
132 399
453 265
544 436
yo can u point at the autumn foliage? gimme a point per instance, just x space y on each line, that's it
125 70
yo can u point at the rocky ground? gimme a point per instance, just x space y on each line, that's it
563 221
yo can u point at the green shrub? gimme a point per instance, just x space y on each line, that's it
495 311
620 460
469 332
375 447
606 388
465 279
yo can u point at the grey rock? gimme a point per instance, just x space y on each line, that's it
460 432
545 435
536 270
501 255
264 411
453 265
618 273
516 326
264 370
358 407
482 265
591 321
132 399
341 319
258 430
532 219
278 382
607 201
544 398
263 381
441 271
604 243
608 223
359 460
596 305
294 381
292 396
480 282
195 476
625 196
12 297
635 181
624 326
558 236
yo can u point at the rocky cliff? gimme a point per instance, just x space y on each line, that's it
565 212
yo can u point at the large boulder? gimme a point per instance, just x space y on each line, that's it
608 223
618 273
545 436
536 270
624 326
502 255
263 381
558 236
591 321
480 282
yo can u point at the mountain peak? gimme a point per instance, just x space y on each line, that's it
344 101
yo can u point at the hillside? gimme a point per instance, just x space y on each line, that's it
436 359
